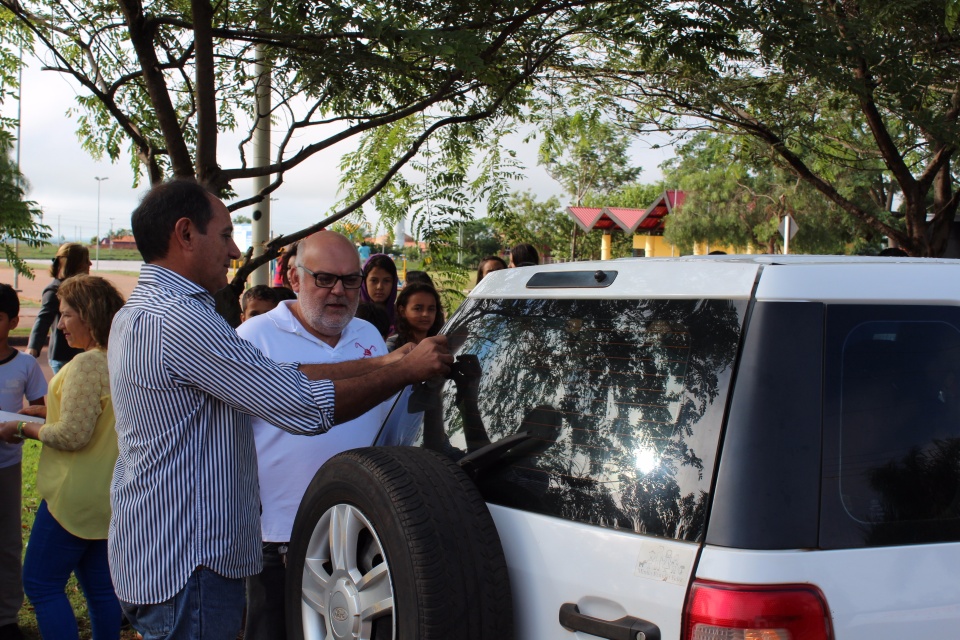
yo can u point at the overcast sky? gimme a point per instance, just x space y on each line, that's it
62 175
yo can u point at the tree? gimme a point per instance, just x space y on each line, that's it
355 231
542 224
831 86
19 218
736 195
166 79
587 156
479 240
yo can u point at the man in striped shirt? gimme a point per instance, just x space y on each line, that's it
185 530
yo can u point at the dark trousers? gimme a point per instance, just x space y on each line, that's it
266 615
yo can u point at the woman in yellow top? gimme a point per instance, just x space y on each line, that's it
76 466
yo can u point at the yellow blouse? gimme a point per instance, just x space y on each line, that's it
79 447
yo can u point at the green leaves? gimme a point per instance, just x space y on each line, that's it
19 218
952 13
736 195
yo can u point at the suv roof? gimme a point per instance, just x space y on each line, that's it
822 278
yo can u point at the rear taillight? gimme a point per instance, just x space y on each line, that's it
717 611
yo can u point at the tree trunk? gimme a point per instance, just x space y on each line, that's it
207 168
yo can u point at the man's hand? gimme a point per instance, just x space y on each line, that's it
354 396
397 354
36 410
34 353
8 432
430 358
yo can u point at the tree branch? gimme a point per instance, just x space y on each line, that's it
141 37
206 100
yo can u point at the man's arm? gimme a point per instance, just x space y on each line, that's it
356 395
352 368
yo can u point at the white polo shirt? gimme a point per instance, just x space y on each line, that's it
287 462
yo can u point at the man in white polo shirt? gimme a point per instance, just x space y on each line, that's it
319 327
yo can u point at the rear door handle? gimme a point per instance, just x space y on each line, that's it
625 628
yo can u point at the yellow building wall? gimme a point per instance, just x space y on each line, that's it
658 247
654 246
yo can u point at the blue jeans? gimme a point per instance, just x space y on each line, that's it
208 607
56 365
53 554
11 545
266 606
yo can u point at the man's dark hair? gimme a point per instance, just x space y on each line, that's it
524 255
9 301
157 214
258 292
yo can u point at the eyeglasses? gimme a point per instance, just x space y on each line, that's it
329 280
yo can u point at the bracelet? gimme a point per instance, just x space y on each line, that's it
20 426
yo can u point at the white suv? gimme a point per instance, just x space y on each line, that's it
713 448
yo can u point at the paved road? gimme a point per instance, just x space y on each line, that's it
121 274
132 266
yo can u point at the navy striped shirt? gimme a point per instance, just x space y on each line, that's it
184 385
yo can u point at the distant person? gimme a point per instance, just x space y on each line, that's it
895 252
419 315
380 283
285 265
524 255
72 258
185 530
256 300
376 316
20 377
76 465
318 327
488 264
418 276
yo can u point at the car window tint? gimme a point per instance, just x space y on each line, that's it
622 399
896 410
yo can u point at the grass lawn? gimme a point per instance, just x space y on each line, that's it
50 250
28 622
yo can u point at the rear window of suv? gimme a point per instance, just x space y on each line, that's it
621 402
892 426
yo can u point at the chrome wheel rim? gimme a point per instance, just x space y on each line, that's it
347 593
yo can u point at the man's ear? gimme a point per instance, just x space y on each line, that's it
294 278
14 321
184 233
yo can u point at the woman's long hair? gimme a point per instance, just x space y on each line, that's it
503 265
96 301
384 262
72 258
405 334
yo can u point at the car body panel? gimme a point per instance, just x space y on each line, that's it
882 593
875 282
607 573
876 592
639 278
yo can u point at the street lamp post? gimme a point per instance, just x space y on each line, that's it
99 182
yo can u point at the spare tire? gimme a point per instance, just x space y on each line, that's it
395 543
